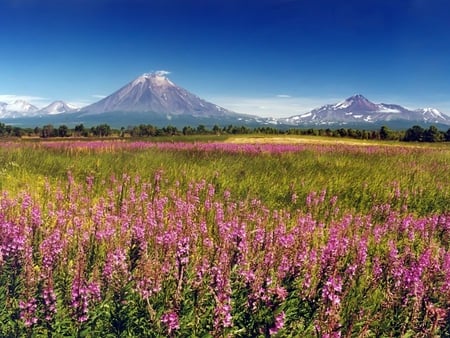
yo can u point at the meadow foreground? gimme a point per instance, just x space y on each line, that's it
113 238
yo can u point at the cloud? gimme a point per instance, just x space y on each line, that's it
162 72
41 102
276 106
98 96
283 96
34 100
78 103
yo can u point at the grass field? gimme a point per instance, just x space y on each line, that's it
242 236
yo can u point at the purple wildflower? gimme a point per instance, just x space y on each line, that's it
279 323
28 312
171 321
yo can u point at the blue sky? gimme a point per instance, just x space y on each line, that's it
264 57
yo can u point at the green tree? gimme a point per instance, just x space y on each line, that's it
79 129
201 129
18 132
447 135
187 130
48 131
170 130
386 133
63 131
37 131
432 134
414 134
216 129
101 130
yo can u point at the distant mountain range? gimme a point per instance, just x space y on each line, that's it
22 109
154 99
359 110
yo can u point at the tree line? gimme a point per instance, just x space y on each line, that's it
414 134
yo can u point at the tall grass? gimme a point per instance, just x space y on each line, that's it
360 176
132 239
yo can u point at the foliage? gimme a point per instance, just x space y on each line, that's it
413 134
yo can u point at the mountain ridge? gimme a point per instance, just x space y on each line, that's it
358 109
152 98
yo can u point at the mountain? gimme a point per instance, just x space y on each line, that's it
357 110
18 108
154 99
149 99
155 93
58 107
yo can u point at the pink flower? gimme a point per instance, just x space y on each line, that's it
332 289
171 321
28 312
279 323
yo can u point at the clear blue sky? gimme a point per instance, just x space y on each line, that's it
266 57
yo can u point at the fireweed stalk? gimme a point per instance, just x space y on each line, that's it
148 258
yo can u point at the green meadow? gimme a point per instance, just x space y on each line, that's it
224 237
360 174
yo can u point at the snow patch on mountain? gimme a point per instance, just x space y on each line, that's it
431 111
18 108
343 104
58 107
384 109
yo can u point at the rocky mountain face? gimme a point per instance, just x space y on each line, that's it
359 110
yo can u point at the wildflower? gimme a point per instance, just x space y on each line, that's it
116 267
182 253
294 198
279 323
51 247
332 289
82 295
171 321
49 296
28 312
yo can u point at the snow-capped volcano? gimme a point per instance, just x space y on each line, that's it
359 110
155 93
18 108
58 107
22 106
356 103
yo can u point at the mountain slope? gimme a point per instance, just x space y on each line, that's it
58 107
155 93
18 108
359 110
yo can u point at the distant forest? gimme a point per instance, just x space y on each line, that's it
413 134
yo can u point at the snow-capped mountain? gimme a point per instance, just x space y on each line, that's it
155 93
359 110
154 99
432 115
18 108
58 107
